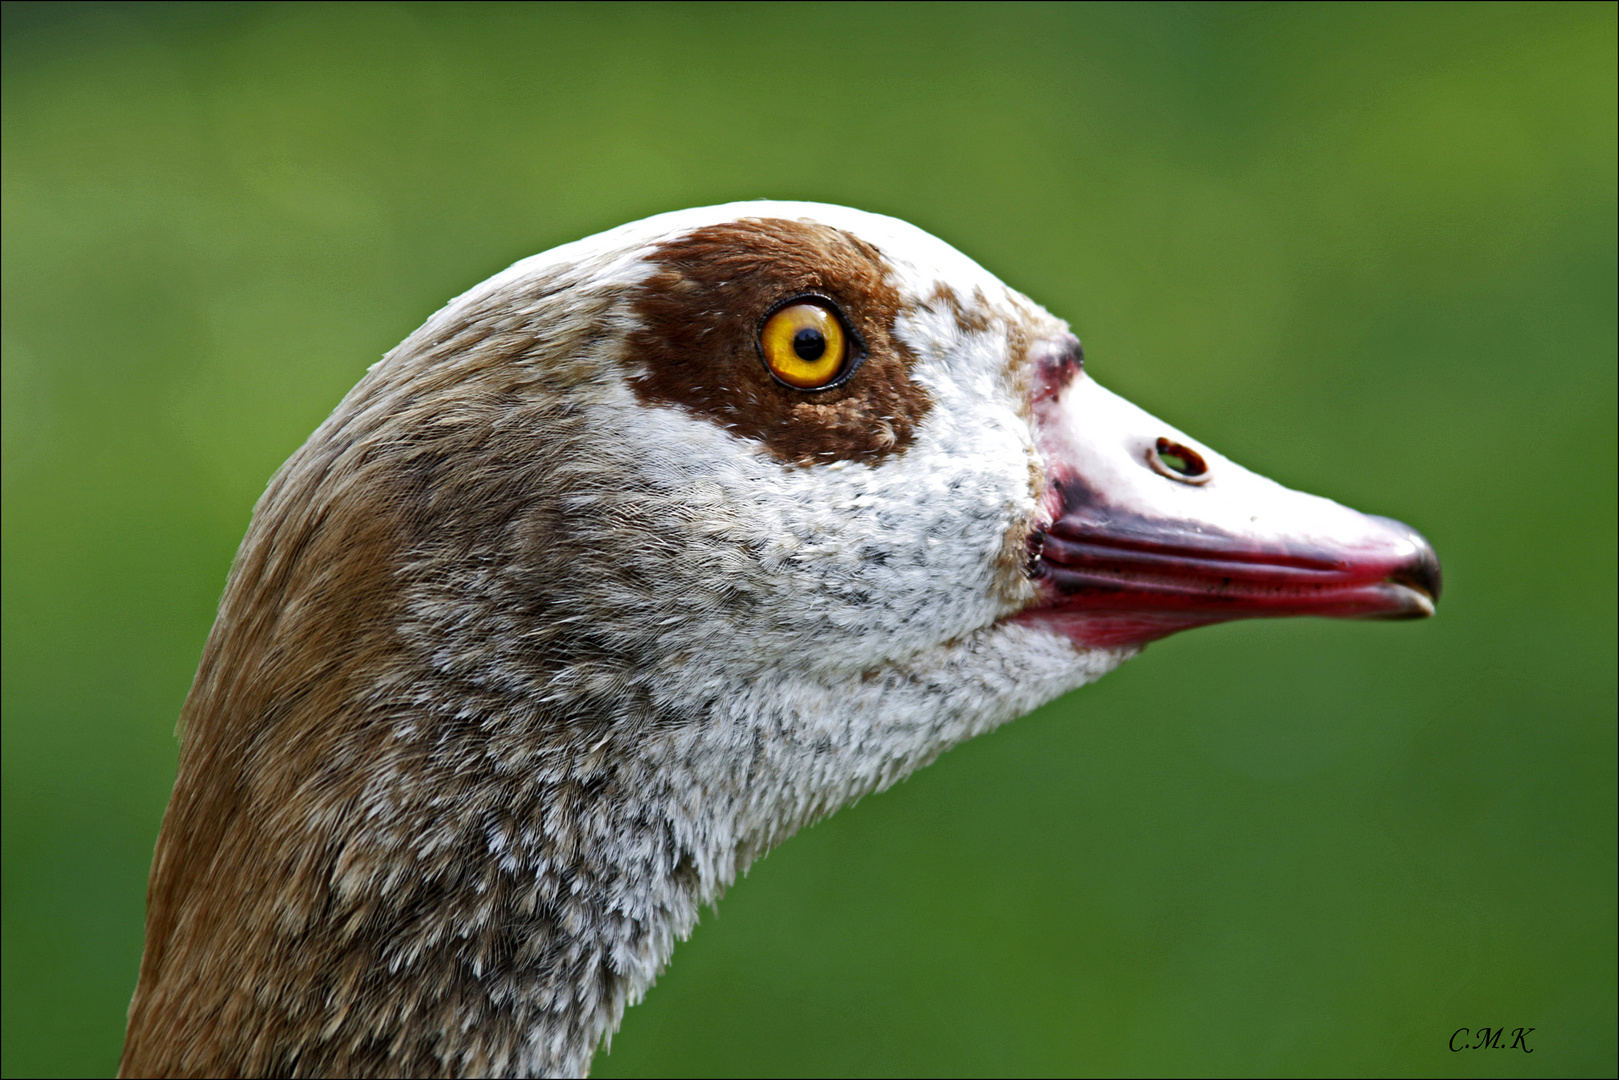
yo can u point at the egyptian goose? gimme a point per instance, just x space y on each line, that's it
631 561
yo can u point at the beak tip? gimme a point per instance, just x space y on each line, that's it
1420 573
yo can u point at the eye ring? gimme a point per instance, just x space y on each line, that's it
854 346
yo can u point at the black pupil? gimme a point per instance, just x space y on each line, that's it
809 344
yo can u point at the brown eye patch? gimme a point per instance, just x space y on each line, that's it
697 344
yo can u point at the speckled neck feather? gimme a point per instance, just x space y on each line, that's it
564 617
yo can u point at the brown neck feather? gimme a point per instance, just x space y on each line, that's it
354 875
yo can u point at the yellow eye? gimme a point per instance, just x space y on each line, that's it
804 345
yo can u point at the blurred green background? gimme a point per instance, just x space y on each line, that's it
1369 251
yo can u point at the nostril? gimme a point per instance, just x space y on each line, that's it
1178 462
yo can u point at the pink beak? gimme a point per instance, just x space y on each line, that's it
1146 531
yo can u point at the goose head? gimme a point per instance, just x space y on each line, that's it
631 561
